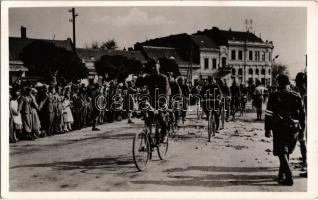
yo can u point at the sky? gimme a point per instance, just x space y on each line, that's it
286 27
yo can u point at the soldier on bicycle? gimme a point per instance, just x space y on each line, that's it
159 93
212 94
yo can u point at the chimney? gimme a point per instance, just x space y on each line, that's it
23 32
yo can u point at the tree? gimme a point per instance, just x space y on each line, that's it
110 44
45 59
117 67
95 45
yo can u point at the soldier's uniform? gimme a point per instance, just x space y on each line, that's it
285 116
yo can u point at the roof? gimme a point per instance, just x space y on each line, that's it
180 41
98 53
204 41
221 37
166 52
16 45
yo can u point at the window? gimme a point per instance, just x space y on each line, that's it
240 55
257 71
233 54
250 71
240 71
263 71
214 63
270 56
206 63
250 55
263 56
263 81
223 62
233 71
269 71
257 57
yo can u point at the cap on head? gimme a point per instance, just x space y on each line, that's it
282 80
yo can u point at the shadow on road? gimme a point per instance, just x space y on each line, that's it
216 180
222 169
102 165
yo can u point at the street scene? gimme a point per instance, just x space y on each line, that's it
105 161
107 99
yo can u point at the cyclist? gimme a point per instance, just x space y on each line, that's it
235 97
176 97
243 99
185 94
211 94
159 92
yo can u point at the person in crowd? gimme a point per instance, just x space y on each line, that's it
258 98
76 108
25 108
15 117
83 101
176 97
58 119
227 98
67 113
36 124
301 88
129 100
48 105
185 95
95 107
235 98
284 118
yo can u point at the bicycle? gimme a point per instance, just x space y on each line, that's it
146 141
211 122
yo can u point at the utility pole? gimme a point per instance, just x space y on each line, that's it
74 15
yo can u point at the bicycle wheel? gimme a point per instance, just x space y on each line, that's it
141 150
162 149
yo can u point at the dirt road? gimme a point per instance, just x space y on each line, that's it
239 158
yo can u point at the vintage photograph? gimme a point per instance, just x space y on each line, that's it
157 99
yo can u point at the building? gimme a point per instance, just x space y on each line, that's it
242 56
17 70
247 55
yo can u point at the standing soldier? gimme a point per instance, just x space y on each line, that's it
49 107
59 110
301 88
95 106
258 98
285 116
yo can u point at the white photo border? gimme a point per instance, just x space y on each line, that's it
312 72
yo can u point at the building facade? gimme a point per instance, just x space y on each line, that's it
216 52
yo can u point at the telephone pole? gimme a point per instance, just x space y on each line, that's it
74 15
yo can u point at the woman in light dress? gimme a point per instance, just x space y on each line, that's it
36 124
15 115
67 113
